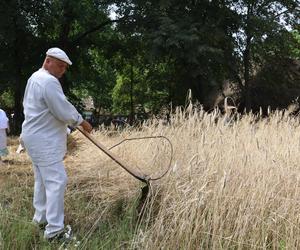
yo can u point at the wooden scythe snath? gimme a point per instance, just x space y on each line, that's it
136 174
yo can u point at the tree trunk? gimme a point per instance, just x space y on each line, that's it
19 85
247 92
131 117
247 58
18 110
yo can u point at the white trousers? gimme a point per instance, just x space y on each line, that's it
48 198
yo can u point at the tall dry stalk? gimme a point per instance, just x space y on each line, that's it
232 185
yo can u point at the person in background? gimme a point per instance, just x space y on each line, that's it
4 127
44 134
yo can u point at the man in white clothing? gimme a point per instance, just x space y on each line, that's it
4 127
44 134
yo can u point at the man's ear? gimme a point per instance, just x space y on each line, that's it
48 60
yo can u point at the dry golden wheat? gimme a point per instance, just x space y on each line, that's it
231 186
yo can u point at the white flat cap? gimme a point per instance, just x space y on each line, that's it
59 54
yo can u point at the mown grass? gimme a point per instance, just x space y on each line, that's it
17 232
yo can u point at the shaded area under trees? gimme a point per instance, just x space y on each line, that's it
137 56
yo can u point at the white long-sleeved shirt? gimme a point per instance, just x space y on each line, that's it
3 127
3 120
47 113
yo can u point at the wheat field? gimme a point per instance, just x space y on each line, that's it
233 183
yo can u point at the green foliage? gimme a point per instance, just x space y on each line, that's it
144 84
28 28
98 80
129 90
171 46
6 100
296 45
120 95
191 36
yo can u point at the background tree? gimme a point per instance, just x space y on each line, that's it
19 53
29 28
192 36
134 56
262 34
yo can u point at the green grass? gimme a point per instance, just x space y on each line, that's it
96 225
